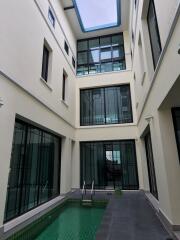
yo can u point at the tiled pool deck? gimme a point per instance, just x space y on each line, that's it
128 217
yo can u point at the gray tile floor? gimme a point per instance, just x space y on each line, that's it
128 217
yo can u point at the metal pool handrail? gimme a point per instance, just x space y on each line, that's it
84 189
92 190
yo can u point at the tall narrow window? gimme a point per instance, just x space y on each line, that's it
51 17
154 33
73 62
45 63
64 86
34 176
176 119
150 164
66 47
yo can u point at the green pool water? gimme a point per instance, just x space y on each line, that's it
75 222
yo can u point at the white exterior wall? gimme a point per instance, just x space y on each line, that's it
25 26
151 94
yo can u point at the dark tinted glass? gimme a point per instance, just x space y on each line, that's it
34 175
45 63
107 105
66 47
176 119
51 17
109 164
99 54
154 33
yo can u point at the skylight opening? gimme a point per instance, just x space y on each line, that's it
97 14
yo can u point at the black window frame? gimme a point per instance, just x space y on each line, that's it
73 62
20 203
102 169
51 17
66 47
173 111
64 86
157 31
99 64
45 63
105 122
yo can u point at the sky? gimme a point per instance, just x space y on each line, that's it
97 13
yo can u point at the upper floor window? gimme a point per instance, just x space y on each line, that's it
100 54
66 47
45 63
73 62
106 105
64 80
154 33
51 17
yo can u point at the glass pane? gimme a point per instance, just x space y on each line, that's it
124 102
82 45
82 58
105 41
94 43
106 67
118 52
98 106
120 65
34 176
111 98
94 56
109 164
82 70
117 40
154 33
94 68
106 54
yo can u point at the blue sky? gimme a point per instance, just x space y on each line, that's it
97 13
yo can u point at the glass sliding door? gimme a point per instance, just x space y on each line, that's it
150 164
34 176
110 164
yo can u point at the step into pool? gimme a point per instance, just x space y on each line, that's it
72 221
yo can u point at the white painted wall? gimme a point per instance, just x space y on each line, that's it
150 97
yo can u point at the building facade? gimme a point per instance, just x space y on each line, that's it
99 105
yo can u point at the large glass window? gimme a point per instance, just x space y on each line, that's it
107 105
176 119
109 164
101 54
34 176
89 17
150 164
154 33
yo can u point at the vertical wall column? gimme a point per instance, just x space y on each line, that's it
66 165
76 165
160 166
172 164
7 120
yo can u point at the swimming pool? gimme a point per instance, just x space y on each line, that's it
71 221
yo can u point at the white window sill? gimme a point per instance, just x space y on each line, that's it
65 103
107 125
46 84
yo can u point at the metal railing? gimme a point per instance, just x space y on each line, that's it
92 190
83 189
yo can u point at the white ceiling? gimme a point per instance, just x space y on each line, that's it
73 20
